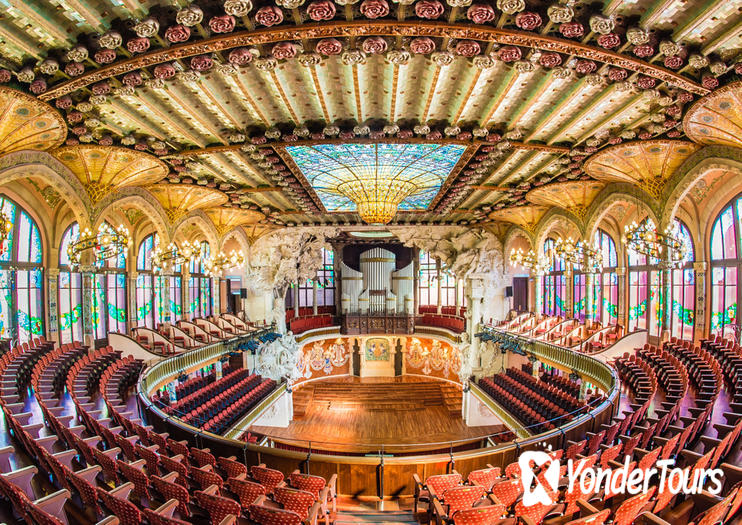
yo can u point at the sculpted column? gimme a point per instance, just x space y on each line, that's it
569 296
52 328
89 301
439 301
699 327
623 297
476 294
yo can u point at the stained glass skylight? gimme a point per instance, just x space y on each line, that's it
376 179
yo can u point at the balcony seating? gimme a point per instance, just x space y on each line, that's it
311 322
449 322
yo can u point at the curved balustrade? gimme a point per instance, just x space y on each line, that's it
381 474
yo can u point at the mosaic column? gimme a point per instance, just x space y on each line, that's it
52 327
535 297
89 302
699 325
439 301
589 299
315 289
216 296
623 297
164 297
186 294
569 296
666 298
132 319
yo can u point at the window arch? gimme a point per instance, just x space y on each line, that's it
325 295
726 266
645 294
683 289
149 297
21 277
199 285
430 270
70 292
605 291
553 284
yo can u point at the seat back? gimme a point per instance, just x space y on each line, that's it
269 516
218 507
463 497
158 519
485 477
173 491
507 492
442 482
313 484
296 500
267 477
247 491
479 515
594 519
630 508
124 510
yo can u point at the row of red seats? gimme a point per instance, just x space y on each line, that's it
219 401
531 419
303 324
548 409
455 324
445 310
547 391
236 410
563 383
202 395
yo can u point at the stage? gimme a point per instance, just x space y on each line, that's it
357 415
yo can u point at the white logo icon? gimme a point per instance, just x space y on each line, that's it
538 494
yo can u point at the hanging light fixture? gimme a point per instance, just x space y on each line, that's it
106 244
165 261
218 263
529 260
579 255
667 247
5 228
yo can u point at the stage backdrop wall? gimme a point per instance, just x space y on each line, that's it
431 357
325 358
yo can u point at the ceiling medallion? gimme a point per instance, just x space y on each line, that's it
667 247
529 261
376 179
106 244
220 262
579 255
166 261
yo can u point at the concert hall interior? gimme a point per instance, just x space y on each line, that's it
370 262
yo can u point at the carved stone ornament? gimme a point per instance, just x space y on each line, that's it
560 14
190 16
237 8
110 40
147 28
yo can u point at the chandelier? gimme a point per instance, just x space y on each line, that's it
106 244
5 228
528 260
579 255
218 263
667 247
165 261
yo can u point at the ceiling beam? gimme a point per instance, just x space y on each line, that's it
405 28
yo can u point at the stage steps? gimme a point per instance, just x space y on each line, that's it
393 517
302 397
452 398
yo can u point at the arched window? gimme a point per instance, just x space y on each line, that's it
325 295
553 284
108 305
150 297
70 292
645 295
605 291
21 277
726 265
682 318
199 285
430 271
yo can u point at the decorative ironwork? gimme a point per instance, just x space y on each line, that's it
579 255
530 261
668 247
106 244
165 261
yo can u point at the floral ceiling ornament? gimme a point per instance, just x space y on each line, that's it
560 14
147 28
238 8
110 40
190 16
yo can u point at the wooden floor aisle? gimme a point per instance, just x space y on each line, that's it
337 414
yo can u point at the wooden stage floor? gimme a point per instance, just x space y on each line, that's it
358 414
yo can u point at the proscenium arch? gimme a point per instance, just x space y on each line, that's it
616 193
693 169
24 164
143 200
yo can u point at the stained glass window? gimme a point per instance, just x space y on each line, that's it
199 286
21 277
682 316
553 283
70 292
150 296
326 280
726 265
605 289
340 172
108 297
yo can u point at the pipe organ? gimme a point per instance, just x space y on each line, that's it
377 288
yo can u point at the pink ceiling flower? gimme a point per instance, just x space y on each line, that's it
644 50
645 135
435 135
374 8
480 13
572 29
321 10
222 24
72 141
510 53
79 130
430 9
584 67
74 69
138 45
164 71
283 51
609 41
105 56
673 133
646 82
5 76
467 48
240 56
684 97
405 133
132 79
710 82
73 117
329 47
269 15
374 45
550 60
616 74
64 102
101 88
201 63
674 62
106 141
422 45
38 86
528 20
177 33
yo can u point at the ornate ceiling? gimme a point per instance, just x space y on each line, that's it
208 100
